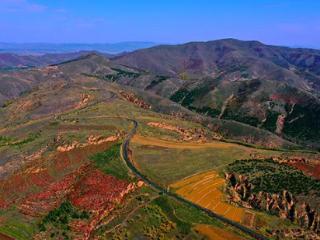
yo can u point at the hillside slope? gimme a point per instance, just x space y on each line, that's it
93 71
253 59
269 87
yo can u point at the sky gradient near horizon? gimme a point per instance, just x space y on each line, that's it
285 22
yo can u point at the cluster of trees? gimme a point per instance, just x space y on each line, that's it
273 177
58 219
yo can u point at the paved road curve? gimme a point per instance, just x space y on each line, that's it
125 157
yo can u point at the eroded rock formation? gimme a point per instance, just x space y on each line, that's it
135 100
195 134
283 205
92 140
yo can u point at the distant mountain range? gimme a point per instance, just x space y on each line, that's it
12 61
43 48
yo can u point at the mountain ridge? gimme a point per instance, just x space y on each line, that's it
271 87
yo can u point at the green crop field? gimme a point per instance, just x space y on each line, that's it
167 165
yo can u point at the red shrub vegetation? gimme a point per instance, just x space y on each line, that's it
99 194
41 203
96 190
3 204
308 168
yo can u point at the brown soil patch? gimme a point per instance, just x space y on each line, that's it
249 219
27 105
85 98
308 168
5 237
3 204
214 233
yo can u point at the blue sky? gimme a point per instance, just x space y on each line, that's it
281 22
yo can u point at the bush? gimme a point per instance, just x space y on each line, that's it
59 219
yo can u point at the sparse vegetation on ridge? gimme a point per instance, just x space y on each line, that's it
9 141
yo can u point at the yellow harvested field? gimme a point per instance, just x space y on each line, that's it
205 189
180 145
214 233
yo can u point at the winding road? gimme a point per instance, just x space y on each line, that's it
125 157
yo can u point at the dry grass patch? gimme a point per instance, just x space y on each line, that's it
179 145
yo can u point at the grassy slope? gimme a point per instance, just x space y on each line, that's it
158 217
167 164
110 162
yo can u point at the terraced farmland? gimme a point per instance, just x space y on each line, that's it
205 189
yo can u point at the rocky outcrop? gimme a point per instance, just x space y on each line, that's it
95 140
84 101
290 159
68 147
225 105
92 140
196 134
280 123
296 233
239 189
283 205
135 100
